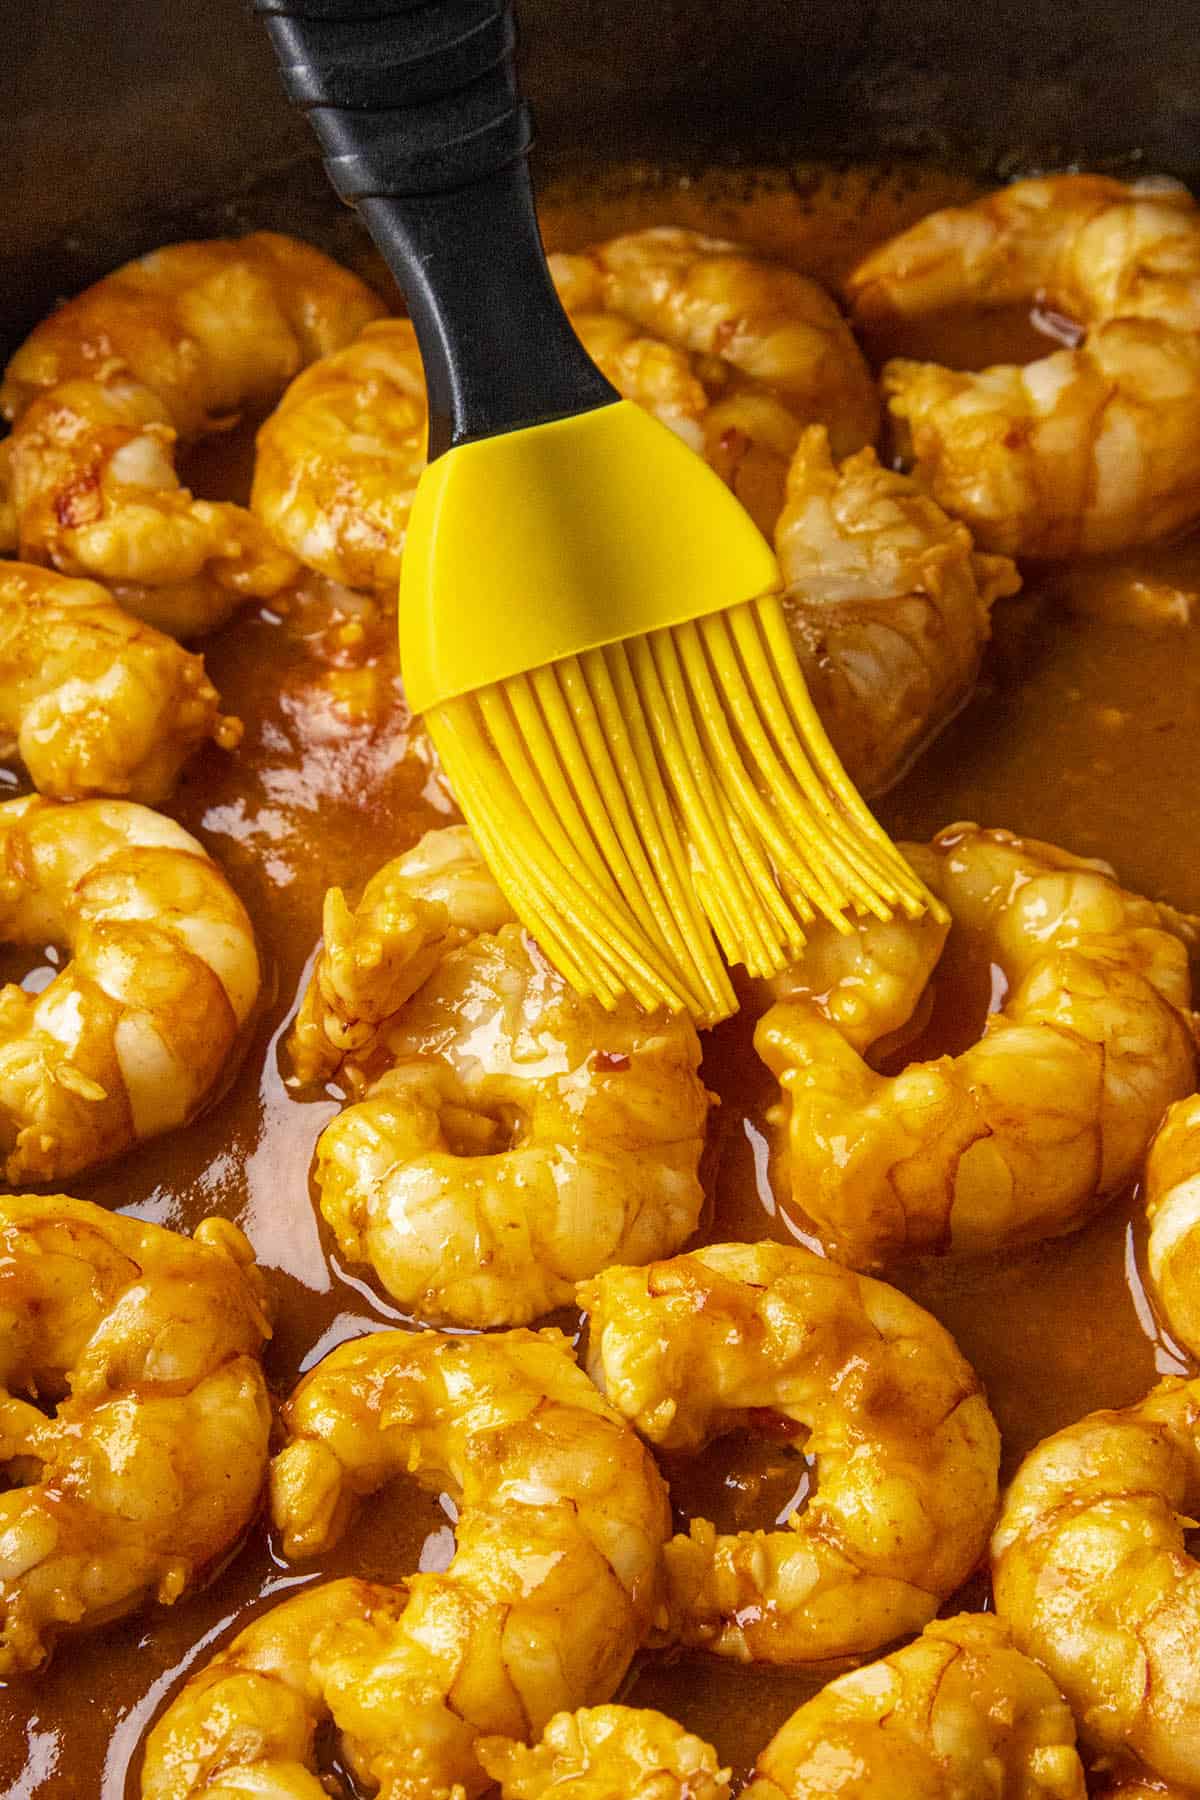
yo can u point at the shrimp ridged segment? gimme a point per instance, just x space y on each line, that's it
752 1335
959 1714
887 601
1171 1190
91 700
766 347
132 1035
1092 1574
1034 1126
607 1753
511 1138
1087 449
152 1464
168 348
554 1582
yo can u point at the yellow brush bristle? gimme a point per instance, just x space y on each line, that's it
664 806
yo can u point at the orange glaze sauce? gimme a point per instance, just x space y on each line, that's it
1083 730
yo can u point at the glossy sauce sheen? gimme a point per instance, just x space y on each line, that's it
1083 732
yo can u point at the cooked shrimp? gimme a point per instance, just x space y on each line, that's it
1171 1190
1034 1126
762 323
958 1715
887 601
1091 1572
168 348
153 1462
767 1335
607 1753
337 461
373 957
92 701
554 1581
132 1035
1085 450
512 1137
768 347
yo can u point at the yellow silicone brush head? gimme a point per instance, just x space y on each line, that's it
588 623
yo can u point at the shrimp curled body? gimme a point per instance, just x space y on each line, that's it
93 701
338 460
887 602
553 1584
1089 449
153 1463
959 1714
1092 1574
518 1137
168 348
906 1449
131 1036
1027 1132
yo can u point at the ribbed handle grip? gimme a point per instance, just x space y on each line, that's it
417 110
429 85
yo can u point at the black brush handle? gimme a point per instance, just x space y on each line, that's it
419 116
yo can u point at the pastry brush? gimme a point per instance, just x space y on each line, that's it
590 623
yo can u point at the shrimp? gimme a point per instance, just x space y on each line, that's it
554 1582
337 462
131 1036
1089 449
768 346
413 911
771 1336
511 1138
1171 1191
607 1753
1091 1573
957 1715
152 1463
1034 1126
887 602
165 350
92 701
